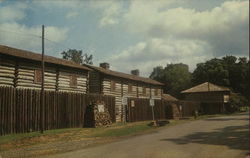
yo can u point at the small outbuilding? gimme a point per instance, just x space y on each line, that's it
212 98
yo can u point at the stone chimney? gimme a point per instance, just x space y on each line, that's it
104 65
135 72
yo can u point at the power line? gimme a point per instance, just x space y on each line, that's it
57 43
37 36
24 34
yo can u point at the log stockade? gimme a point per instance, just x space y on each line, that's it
20 109
140 110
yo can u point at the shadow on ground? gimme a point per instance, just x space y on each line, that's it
227 119
235 137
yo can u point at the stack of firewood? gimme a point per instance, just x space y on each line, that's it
102 118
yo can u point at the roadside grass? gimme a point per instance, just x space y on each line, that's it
17 141
71 135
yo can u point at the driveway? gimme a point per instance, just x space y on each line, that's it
220 137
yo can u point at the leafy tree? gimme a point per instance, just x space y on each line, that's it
158 74
77 56
87 59
175 76
212 71
236 102
228 71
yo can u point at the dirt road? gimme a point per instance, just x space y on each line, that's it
220 137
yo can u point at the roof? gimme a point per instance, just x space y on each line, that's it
126 76
206 87
169 97
37 57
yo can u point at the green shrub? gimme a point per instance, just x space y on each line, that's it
236 102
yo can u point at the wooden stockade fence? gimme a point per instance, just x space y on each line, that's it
140 110
20 109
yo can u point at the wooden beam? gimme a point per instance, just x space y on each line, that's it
16 74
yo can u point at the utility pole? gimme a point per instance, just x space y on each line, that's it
42 87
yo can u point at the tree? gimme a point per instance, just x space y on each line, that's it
88 59
77 56
211 71
228 71
175 76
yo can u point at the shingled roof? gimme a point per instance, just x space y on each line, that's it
169 97
126 76
206 87
14 52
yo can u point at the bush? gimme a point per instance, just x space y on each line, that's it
236 102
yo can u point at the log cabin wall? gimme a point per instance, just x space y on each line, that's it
113 87
123 87
206 96
156 92
7 73
64 81
27 74
20 73
129 89
94 82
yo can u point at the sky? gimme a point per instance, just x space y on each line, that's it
130 34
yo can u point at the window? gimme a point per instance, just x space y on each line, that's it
130 88
37 76
73 81
144 90
112 86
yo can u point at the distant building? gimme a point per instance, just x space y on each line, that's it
212 98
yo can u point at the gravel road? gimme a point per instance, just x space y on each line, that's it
219 137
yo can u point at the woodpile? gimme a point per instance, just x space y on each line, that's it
102 118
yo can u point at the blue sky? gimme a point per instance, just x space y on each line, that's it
130 34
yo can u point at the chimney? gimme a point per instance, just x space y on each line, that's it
104 65
135 72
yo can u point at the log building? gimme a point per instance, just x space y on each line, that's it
107 82
22 69
212 98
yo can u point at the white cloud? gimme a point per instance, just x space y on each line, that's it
13 12
15 34
72 7
216 26
72 4
23 37
109 10
155 52
72 14
183 34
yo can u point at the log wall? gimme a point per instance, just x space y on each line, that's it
64 82
94 82
121 89
7 74
22 75
117 93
